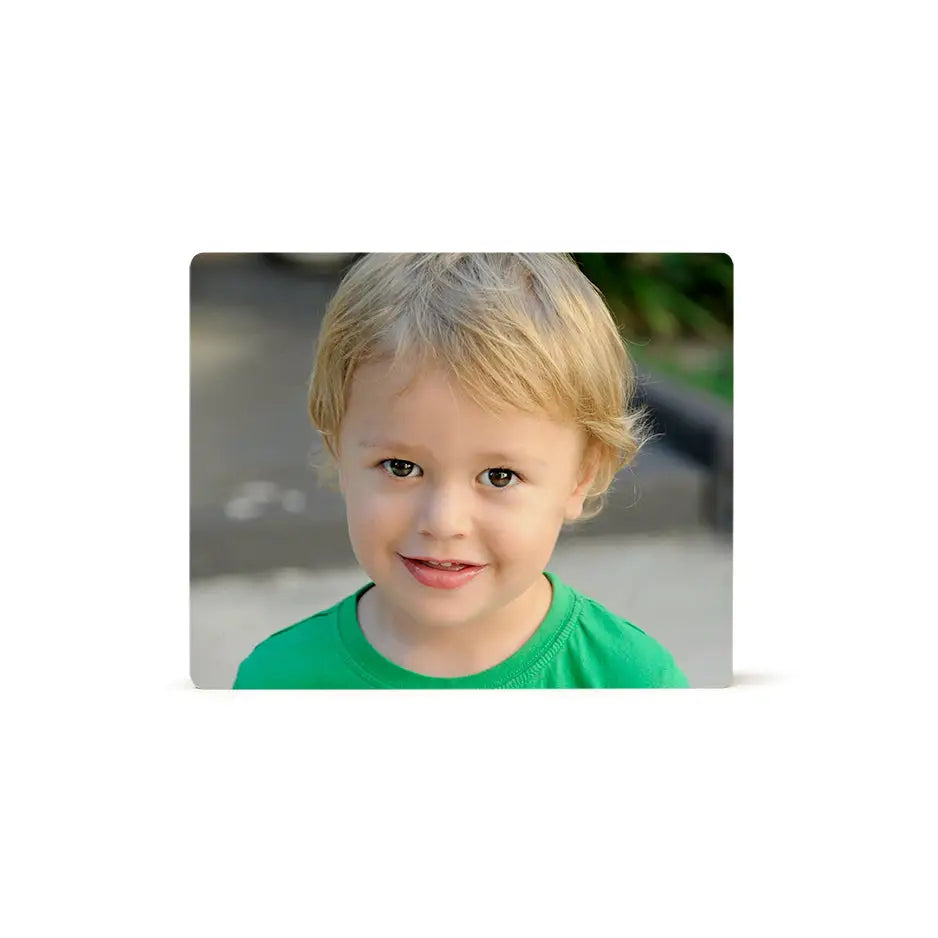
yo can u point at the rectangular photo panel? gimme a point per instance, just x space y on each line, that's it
461 470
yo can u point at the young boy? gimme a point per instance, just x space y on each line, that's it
472 405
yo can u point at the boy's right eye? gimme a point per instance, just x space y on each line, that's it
399 468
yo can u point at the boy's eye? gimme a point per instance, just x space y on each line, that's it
499 478
399 468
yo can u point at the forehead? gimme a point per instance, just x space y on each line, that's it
428 410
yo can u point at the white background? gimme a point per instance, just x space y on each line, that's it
797 138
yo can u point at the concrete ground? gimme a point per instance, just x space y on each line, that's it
676 587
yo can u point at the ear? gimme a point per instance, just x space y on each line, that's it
589 467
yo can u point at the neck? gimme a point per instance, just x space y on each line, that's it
453 651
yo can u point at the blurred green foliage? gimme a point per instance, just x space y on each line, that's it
675 310
666 296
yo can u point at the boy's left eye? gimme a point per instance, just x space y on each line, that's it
499 478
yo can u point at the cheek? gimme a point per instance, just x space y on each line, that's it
372 515
527 534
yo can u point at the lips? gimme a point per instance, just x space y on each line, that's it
440 577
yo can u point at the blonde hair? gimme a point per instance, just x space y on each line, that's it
525 331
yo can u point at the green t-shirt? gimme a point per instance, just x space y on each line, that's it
579 644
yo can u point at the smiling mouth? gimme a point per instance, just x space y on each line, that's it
428 575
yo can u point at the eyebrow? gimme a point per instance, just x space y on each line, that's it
498 458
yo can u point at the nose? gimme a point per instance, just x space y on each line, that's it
444 513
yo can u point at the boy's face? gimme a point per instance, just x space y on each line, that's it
418 475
